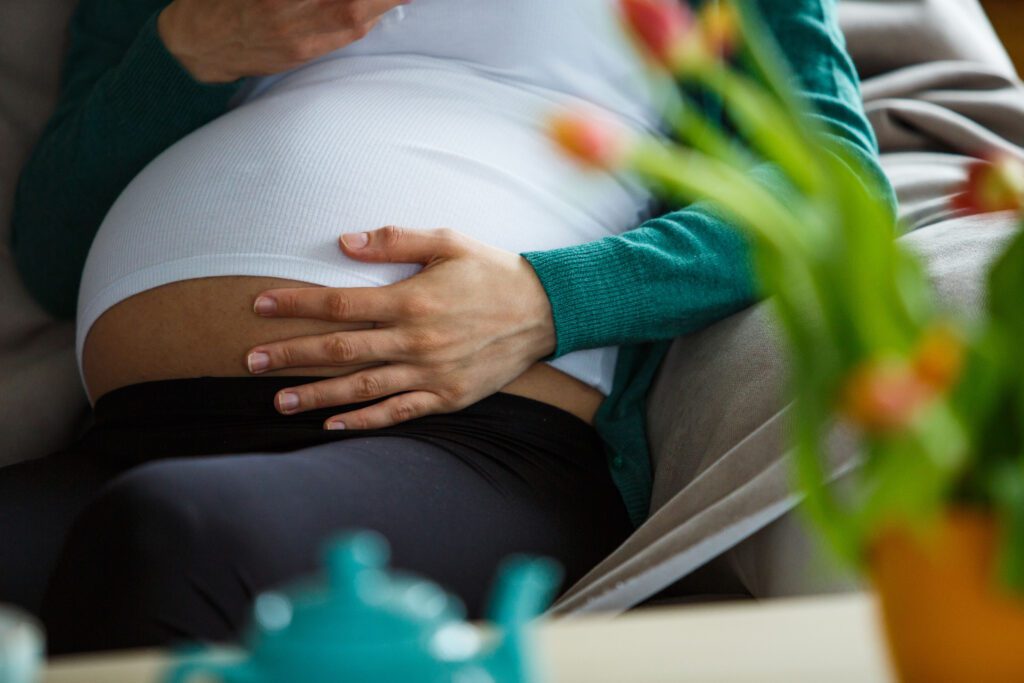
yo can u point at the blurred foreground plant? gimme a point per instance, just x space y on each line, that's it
936 403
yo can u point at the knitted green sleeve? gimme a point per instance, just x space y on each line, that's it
124 99
683 270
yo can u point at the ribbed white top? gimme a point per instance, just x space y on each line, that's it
434 120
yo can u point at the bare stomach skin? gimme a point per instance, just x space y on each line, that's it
205 327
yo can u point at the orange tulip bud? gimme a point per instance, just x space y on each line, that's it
884 395
939 358
664 27
720 28
993 185
590 141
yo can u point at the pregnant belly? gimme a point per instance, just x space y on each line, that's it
204 327
266 189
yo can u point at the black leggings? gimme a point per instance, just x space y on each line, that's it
188 497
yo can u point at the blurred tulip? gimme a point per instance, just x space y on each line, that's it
666 28
939 358
720 27
996 184
884 395
590 141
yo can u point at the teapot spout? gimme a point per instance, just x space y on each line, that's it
523 591
210 668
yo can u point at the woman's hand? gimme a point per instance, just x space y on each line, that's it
474 319
219 41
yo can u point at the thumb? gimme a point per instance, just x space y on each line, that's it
392 244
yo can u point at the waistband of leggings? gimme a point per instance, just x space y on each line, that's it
254 397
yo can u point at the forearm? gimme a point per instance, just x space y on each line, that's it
124 100
672 275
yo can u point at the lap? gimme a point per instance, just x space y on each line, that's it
39 499
176 547
441 515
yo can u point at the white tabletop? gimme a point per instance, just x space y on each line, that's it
813 640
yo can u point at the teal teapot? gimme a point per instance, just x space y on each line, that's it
371 625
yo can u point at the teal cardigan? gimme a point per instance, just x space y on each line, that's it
124 99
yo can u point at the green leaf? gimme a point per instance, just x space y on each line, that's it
691 126
1008 488
700 177
1006 289
765 58
769 128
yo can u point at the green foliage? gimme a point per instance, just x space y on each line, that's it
849 299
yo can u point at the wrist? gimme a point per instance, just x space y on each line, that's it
544 338
174 32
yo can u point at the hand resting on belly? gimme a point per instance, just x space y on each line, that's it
471 322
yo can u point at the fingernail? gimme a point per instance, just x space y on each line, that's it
287 401
264 305
356 240
258 361
337 424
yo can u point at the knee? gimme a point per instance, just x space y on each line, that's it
144 520
144 566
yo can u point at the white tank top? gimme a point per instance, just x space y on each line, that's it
436 118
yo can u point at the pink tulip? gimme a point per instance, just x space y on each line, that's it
939 358
996 184
590 141
881 396
664 27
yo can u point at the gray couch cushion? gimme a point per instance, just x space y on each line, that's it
42 403
884 35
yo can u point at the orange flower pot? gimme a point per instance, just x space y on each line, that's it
946 616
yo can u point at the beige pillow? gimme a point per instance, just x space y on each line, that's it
42 403
883 35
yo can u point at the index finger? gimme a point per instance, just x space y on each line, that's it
338 304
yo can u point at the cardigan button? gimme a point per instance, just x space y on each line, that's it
618 462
